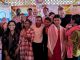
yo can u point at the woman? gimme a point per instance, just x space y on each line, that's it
69 34
10 40
25 42
51 15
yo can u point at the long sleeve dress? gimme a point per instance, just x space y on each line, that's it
26 52
9 44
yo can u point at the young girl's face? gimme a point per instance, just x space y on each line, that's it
57 21
26 24
11 26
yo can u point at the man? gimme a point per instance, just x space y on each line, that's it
30 15
17 18
45 11
65 18
37 42
56 40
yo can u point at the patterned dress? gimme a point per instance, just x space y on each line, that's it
26 52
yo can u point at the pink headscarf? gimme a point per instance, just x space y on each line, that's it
53 37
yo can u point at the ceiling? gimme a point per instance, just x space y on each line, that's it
27 2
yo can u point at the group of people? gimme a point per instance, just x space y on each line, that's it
33 37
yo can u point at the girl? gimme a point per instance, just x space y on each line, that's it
10 40
25 42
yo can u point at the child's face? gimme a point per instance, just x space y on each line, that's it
57 21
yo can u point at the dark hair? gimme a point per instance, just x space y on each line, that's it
60 8
8 30
76 18
48 19
57 16
18 11
45 8
27 20
51 13
10 22
29 8
39 17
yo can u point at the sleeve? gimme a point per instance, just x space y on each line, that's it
21 37
4 42
32 35
74 39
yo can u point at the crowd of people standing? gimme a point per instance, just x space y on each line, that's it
33 37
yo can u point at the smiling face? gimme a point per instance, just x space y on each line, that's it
27 24
57 21
30 12
45 11
39 21
23 18
47 23
62 13
11 26
35 13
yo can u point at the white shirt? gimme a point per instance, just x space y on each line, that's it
38 33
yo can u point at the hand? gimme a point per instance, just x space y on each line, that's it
7 58
16 52
49 53
29 39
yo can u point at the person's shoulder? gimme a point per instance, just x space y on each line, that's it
5 33
52 25
33 26
31 29
63 27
